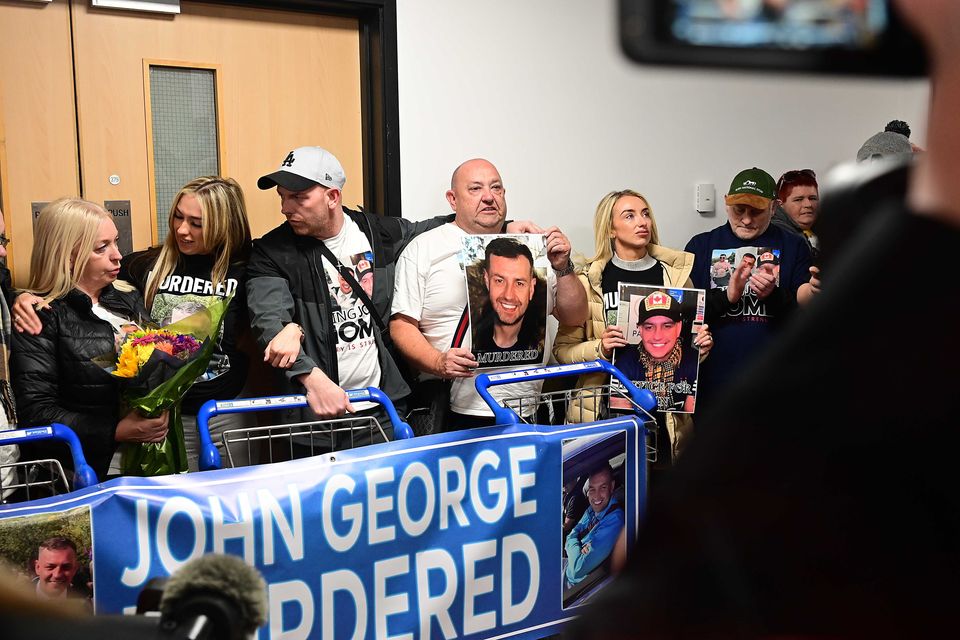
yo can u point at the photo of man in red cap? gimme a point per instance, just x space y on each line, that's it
661 356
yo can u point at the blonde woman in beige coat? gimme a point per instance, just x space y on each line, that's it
628 250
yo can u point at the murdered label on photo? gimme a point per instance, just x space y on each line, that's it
496 357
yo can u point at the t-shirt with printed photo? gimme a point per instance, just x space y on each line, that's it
357 356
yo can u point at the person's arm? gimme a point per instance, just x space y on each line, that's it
325 397
572 544
717 304
33 365
808 290
571 344
270 305
409 285
135 427
283 350
410 229
570 306
455 362
24 313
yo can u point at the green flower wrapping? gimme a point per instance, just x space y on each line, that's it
162 376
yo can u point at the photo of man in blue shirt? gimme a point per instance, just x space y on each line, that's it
594 536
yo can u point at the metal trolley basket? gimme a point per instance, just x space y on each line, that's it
35 479
554 407
275 443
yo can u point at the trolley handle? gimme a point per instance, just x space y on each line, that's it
642 398
210 456
84 475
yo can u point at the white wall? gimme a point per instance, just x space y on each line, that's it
540 88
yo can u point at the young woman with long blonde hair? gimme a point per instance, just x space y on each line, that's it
202 260
628 249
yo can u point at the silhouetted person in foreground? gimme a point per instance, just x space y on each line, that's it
833 512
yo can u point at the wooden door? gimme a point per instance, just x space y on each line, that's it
283 79
38 136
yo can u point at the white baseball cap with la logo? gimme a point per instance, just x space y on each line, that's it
305 167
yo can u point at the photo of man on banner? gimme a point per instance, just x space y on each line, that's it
660 354
595 545
507 298
51 555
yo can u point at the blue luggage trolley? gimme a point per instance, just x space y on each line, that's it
245 443
42 478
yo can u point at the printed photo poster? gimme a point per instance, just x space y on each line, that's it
592 514
506 279
351 318
51 554
723 263
659 324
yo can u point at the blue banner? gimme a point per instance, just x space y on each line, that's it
463 535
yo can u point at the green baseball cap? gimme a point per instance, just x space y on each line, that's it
754 187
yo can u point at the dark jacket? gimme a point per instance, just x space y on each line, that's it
285 283
783 220
819 498
55 380
745 327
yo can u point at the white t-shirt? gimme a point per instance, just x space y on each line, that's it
430 287
358 360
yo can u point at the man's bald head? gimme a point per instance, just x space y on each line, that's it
468 164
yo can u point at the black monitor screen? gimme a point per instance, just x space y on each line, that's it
840 36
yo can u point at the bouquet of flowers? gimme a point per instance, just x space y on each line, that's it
157 367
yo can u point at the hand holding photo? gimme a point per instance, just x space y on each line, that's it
660 355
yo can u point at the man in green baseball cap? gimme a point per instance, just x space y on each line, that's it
745 310
750 202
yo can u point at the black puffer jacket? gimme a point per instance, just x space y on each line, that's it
55 381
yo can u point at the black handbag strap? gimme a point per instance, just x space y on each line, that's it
348 276
458 335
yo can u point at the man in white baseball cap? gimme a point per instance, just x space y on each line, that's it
305 167
322 347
